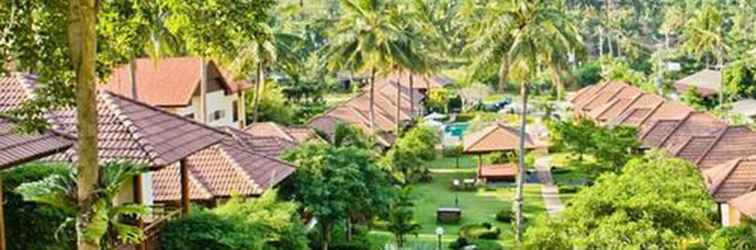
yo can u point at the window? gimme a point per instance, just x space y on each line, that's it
235 111
218 114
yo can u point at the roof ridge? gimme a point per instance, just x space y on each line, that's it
653 110
483 135
237 167
202 184
675 129
633 100
134 132
596 94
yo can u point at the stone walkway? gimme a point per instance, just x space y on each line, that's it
549 191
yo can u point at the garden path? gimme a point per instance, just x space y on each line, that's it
549 190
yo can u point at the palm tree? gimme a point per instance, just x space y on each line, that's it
530 35
258 54
107 218
703 35
363 41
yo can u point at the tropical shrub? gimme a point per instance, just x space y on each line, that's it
438 99
655 202
741 237
411 151
588 74
504 215
32 225
479 231
204 230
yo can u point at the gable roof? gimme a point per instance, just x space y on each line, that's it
169 81
731 143
270 146
222 170
695 124
17 148
127 129
731 179
707 82
495 137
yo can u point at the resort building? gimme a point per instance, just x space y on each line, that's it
724 153
173 84
706 82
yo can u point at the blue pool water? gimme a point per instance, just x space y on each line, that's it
456 129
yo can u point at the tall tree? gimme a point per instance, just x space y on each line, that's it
217 30
364 40
704 36
529 33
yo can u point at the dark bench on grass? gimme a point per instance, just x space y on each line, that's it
448 214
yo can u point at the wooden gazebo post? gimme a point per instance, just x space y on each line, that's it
185 199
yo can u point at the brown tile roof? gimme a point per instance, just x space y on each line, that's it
732 143
420 81
731 179
14 91
495 137
17 148
745 204
168 81
694 147
294 134
657 132
270 146
136 132
602 96
128 130
356 111
612 109
665 111
222 170
695 124
637 112
707 82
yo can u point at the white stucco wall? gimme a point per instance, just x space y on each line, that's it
216 101
126 194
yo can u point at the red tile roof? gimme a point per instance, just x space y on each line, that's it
732 143
496 137
655 134
17 148
707 82
270 146
168 81
695 124
637 112
15 90
731 179
602 96
694 147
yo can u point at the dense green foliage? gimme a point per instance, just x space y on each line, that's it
401 217
641 207
611 147
32 225
410 152
255 223
336 183
739 237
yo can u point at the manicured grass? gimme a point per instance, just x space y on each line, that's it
466 162
477 206
493 98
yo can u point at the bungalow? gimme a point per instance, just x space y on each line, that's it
745 108
173 84
706 82
293 134
724 153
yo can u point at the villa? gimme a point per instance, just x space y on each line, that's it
721 151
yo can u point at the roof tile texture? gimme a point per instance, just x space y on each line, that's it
17 148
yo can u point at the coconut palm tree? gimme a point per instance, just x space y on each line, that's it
524 37
703 35
108 226
364 40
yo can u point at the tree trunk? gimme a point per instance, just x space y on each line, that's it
203 90
132 79
720 62
601 42
398 104
372 103
349 228
258 90
521 165
325 235
82 43
412 96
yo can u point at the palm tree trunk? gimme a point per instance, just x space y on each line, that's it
372 103
556 77
203 90
398 104
82 43
412 96
258 90
720 62
521 165
601 42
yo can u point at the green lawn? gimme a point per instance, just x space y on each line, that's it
477 206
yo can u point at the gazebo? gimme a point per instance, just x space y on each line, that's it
496 137
17 148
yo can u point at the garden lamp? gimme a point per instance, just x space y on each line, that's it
440 233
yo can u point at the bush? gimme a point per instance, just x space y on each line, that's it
588 74
737 238
504 215
453 151
458 244
353 245
462 242
479 231
31 225
203 230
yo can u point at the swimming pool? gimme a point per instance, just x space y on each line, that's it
456 129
